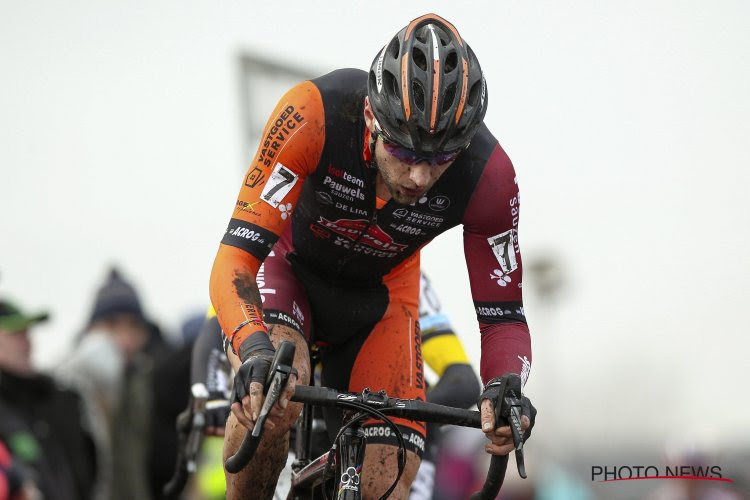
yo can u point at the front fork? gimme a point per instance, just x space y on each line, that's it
352 454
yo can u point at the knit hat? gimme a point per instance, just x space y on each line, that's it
116 296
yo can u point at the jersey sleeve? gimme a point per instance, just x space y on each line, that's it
290 149
441 347
495 270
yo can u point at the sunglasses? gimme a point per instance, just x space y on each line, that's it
411 158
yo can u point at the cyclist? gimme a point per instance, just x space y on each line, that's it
457 384
354 174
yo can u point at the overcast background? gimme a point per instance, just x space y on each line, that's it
122 141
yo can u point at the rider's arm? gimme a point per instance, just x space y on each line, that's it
290 149
494 262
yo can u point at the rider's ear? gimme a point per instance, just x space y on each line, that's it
369 115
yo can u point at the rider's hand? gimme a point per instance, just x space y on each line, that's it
501 439
256 354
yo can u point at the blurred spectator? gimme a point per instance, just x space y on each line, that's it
14 481
117 313
113 363
171 389
96 368
42 424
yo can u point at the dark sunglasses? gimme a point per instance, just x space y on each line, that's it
411 158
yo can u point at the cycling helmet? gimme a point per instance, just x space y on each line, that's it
426 88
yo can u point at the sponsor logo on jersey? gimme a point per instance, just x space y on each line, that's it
285 125
418 219
418 363
319 231
382 431
504 247
498 312
244 206
282 181
248 234
254 177
340 190
407 229
439 203
525 369
286 210
514 204
276 316
364 233
363 249
351 209
261 280
298 312
342 174
493 311
501 278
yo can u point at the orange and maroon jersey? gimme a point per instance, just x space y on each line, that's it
312 173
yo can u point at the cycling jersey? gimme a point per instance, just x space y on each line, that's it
312 179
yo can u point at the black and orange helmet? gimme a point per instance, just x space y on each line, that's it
426 88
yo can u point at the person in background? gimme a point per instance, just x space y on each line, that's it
117 313
41 423
14 483
113 363
171 391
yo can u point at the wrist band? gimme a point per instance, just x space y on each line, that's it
253 316
256 343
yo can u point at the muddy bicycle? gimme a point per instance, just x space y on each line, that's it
336 474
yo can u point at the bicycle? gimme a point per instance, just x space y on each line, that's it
338 471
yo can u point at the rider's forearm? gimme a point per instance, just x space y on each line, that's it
235 295
458 387
506 348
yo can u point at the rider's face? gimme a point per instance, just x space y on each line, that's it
405 181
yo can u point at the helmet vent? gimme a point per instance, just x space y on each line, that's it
391 85
442 36
449 97
393 48
419 58
422 34
450 62
417 94
476 89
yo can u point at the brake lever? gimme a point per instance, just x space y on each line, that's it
514 419
272 396
510 411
